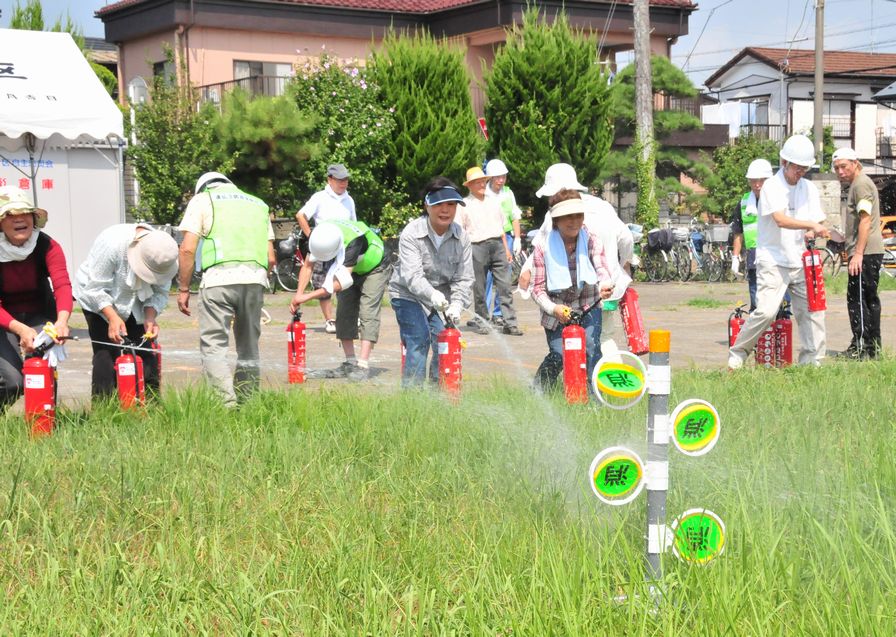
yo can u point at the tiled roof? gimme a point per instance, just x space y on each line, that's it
399 6
802 62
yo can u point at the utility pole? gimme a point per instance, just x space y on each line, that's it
818 124
647 210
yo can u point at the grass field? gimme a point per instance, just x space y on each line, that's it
342 512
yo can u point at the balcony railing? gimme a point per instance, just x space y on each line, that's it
255 85
841 126
690 105
775 132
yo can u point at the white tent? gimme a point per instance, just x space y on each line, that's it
61 137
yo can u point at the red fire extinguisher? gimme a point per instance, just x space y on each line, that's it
765 348
633 322
783 330
449 344
295 349
575 360
735 321
812 269
129 376
40 394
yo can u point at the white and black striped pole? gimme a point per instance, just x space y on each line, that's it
659 381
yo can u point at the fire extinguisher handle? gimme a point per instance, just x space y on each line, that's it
297 316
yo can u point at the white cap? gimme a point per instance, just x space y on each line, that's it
495 168
759 169
556 178
844 153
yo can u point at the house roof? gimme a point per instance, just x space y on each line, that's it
400 6
802 62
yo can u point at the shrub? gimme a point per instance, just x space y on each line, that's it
548 102
354 128
427 85
728 181
272 143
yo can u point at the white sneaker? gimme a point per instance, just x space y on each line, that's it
330 327
734 361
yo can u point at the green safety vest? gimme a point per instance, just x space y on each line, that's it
373 256
239 231
750 223
506 208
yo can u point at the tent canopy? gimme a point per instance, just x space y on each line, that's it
48 89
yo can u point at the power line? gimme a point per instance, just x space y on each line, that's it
708 18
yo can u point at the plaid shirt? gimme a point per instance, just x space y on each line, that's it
571 296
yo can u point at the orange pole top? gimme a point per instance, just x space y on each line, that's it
659 340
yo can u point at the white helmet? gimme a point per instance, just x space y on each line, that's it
799 150
495 168
325 241
759 169
209 178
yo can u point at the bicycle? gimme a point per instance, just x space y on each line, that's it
289 260
834 258
657 258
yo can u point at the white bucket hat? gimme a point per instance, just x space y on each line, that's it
152 256
556 178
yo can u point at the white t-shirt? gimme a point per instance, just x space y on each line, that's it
782 246
326 205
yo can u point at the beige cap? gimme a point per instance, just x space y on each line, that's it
15 201
474 174
152 256
568 207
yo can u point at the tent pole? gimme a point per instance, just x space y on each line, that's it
29 144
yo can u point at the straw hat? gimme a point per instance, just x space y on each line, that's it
474 174
15 201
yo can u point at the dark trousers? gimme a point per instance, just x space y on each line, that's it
102 380
11 380
863 304
488 256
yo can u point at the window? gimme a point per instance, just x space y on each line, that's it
261 78
165 70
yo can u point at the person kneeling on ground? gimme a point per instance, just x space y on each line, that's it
358 274
123 287
29 262
570 274
434 274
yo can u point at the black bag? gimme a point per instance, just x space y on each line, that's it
547 376
659 239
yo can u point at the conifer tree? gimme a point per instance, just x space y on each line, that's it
548 102
271 142
427 84
669 80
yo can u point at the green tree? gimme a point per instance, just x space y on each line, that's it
176 143
30 17
426 83
548 102
672 84
353 127
728 182
272 143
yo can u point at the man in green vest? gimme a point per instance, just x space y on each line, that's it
359 275
237 250
744 224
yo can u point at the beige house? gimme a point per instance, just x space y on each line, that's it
256 44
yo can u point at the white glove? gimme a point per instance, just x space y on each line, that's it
517 245
524 294
735 264
438 301
453 313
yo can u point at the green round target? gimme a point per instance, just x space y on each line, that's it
698 536
616 475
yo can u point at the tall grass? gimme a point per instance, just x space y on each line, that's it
316 512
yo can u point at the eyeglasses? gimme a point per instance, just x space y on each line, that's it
802 170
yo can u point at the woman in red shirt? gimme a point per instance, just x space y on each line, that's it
29 262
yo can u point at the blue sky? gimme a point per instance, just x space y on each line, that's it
726 25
